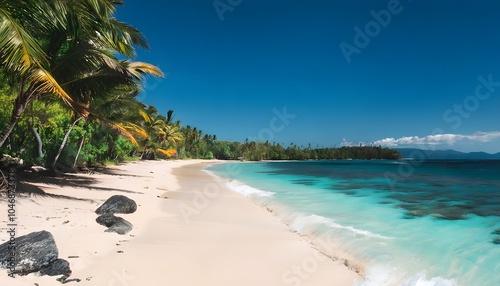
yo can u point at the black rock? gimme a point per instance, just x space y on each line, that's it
114 223
120 228
117 204
57 267
33 252
107 220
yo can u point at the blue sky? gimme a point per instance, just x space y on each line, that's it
403 73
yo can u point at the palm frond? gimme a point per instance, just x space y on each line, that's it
137 129
123 131
19 51
47 84
129 130
140 69
144 115
133 35
44 83
168 153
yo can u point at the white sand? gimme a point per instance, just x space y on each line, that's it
201 234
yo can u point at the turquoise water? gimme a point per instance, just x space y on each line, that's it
398 222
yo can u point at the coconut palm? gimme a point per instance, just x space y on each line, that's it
119 113
110 94
22 57
153 124
163 133
170 135
44 44
68 48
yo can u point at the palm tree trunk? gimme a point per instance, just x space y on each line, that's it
144 151
16 114
38 140
22 100
79 150
65 139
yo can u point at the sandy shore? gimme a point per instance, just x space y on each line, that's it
189 229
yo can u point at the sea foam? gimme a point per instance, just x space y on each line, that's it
301 222
421 280
381 276
248 191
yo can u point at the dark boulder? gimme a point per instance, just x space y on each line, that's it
117 204
114 223
57 267
33 252
122 227
107 220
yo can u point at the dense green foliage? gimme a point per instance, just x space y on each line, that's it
67 72
208 148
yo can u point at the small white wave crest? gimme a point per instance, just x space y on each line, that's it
302 221
382 276
421 280
248 191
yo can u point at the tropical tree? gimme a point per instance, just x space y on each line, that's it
162 132
110 95
46 43
22 57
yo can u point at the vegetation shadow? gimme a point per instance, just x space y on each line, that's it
27 185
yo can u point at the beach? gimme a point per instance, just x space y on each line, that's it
249 143
189 229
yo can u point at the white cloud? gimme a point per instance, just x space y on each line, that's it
438 139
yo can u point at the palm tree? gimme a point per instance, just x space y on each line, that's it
118 112
162 132
44 43
170 135
67 48
22 57
116 103
152 123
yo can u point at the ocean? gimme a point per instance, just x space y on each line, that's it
400 222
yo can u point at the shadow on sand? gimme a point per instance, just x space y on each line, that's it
28 184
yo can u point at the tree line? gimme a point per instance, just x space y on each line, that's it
258 151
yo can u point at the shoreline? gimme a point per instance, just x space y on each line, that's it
323 242
189 229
